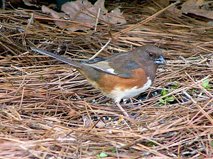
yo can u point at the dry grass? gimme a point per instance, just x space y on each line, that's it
48 110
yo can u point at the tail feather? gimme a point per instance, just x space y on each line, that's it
57 57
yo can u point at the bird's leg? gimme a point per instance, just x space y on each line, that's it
122 109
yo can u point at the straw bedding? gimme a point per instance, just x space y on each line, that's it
48 110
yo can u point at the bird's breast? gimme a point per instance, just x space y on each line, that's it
119 93
119 88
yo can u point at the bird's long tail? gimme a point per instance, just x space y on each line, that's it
58 57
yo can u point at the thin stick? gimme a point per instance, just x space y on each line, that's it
101 49
116 35
97 18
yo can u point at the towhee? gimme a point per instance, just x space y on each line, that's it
120 76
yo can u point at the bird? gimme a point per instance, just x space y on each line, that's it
119 76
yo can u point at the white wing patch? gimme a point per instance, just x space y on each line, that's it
111 70
104 66
119 94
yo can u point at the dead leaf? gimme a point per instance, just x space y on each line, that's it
55 15
197 7
100 4
30 3
85 15
115 17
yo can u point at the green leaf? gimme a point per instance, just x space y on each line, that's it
162 101
175 85
164 92
150 144
170 99
211 144
205 84
113 150
102 155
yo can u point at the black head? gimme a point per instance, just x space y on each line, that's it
151 53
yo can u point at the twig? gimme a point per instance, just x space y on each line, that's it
100 50
116 35
97 17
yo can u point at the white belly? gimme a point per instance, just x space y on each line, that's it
119 93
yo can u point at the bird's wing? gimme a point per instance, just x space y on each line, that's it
119 65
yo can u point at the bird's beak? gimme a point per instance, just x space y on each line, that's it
160 60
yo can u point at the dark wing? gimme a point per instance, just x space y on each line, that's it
120 65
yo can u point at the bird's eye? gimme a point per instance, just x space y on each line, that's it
151 54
